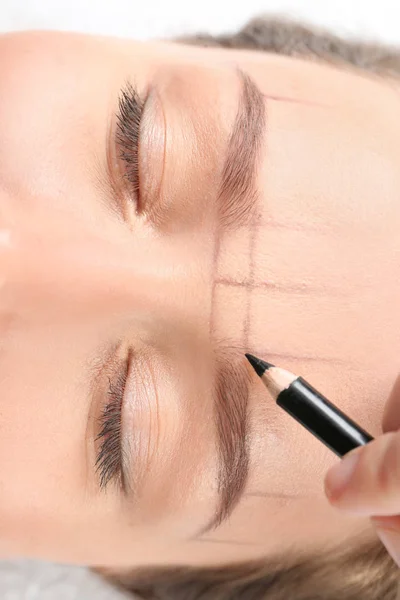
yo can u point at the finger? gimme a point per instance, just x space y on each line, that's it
391 415
388 530
367 480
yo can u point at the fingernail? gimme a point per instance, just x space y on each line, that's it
391 540
339 476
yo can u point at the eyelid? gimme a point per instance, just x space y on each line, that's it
116 190
152 154
140 406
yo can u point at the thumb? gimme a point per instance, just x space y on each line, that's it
367 480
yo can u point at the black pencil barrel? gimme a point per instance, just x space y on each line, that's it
324 420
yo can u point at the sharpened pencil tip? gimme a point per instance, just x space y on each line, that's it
260 366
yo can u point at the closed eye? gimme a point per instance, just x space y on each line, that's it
129 116
109 461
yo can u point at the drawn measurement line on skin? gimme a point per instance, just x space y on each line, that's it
291 100
226 541
216 252
277 496
249 288
331 360
321 229
254 230
285 288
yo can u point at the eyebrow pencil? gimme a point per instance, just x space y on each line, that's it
310 408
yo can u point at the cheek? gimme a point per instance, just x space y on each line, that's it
44 416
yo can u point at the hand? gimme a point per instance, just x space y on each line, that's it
367 480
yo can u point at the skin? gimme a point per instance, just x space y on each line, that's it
81 271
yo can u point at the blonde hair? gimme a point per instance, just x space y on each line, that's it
363 571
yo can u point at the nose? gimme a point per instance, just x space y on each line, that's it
66 270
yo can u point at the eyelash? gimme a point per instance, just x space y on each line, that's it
109 458
129 116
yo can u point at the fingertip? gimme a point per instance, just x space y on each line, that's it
390 538
391 414
339 477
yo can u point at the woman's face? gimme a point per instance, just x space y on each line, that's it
163 210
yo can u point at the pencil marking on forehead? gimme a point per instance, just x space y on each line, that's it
291 100
237 200
287 356
210 540
252 285
249 288
216 253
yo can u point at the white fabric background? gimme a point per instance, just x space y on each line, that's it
379 19
375 19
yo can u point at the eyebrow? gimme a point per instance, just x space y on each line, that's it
238 194
231 396
237 202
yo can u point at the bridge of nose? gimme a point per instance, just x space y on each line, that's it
80 273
